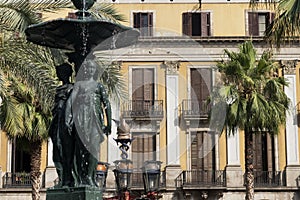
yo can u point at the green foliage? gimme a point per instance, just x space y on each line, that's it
251 91
286 25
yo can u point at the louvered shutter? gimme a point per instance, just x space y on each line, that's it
253 23
187 24
205 24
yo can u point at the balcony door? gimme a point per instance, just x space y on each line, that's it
203 163
201 82
142 89
143 148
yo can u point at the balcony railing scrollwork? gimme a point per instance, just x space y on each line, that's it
268 179
18 179
199 178
143 109
193 109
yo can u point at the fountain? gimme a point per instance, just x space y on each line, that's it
80 37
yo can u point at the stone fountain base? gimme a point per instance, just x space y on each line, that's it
74 193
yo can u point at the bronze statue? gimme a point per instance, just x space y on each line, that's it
63 141
87 112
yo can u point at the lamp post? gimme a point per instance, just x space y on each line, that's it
123 168
151 178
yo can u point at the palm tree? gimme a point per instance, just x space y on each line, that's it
27 94
254 99
27 76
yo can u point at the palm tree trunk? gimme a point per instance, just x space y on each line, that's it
35 163
249 175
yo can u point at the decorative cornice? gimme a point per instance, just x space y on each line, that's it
289 66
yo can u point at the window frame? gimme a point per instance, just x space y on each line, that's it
187 23
269 16
151 28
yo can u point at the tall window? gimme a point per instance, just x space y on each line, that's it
143 148
202 151
142 88
196 24
144 22
200 83
21 155
264 153
258 22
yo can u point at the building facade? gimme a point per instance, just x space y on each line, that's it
168 75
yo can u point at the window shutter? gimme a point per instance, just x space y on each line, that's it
136 20
187 24
253 23
205 24
200 83
150 24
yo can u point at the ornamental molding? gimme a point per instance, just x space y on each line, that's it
172 67
289 66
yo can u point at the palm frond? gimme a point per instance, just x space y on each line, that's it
286 25
107 12
17 15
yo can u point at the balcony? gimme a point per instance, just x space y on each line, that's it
16 180
196 179
143 110
268 179
193 109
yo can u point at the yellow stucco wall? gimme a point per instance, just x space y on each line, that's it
3 150
169 16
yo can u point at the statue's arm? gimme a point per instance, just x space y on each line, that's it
107 109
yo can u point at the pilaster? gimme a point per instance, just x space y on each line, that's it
234 173
172 172
173 148
292 147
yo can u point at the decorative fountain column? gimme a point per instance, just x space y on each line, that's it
80 37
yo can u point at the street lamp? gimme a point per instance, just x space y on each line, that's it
122 174
101 174
151 177
123 168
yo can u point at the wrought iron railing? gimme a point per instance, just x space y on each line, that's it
268 178
16 180
138 183
195 109
198 178
143 109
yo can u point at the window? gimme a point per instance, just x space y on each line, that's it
196 24
143 148
202 151
264 153
144 22
258 22
142 89
200 83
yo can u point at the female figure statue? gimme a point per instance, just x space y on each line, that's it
62 139
90 108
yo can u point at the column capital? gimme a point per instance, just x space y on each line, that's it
116 63
289 66
171 67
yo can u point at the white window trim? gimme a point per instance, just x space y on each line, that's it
142 67
247 19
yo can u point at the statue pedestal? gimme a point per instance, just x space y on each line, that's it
74 193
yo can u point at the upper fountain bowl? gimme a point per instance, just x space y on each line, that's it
83 4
